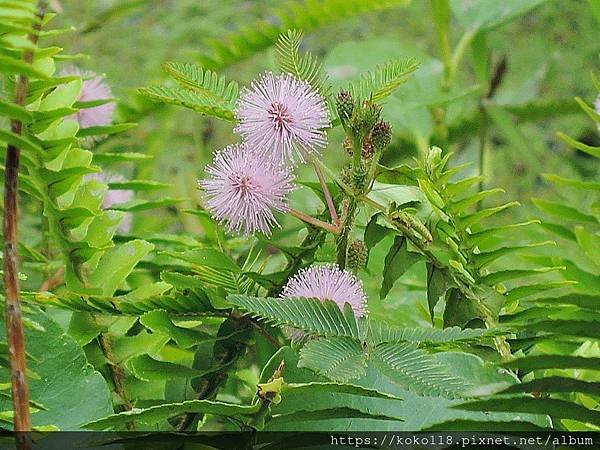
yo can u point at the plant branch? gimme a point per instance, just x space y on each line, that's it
327 194
314 221
117 375
14 323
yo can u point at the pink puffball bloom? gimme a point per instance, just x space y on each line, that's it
244 188
328 282
93 88
284 116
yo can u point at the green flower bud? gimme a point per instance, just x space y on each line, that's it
356 255
344 105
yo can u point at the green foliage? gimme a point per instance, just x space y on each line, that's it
383 81
67 390
307 314
305 67
301 15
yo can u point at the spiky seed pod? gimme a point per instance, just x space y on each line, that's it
356 255
344 105
346 175
348 146
359 178
382 134
366 119
368 149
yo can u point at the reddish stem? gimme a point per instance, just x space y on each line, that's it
327 194
14 324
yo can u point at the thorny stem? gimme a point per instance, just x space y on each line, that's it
346 227
326 193
117 375
314 221
14 323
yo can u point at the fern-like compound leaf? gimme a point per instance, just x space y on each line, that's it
205 81
308 314
195 100
304 66
338 358
415 370
384 80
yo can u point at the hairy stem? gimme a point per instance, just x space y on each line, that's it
117 375
314 221
346 227
14 323
327 194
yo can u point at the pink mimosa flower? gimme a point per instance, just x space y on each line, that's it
328 282
244 189
283 116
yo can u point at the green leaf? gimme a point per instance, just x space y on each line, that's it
305 67
380 332
570 182
471 219
208 257
147 368
104 130
159 322
16 112
539 362
374 232
506 275
11 66
337 358
71 391
205 81
482 259
563 211
155 414
197 101
143 205
109 158
555 384
311 315
383 81
138 185
590 243
397 261
19 141
116 264
554 407
415 370
438 282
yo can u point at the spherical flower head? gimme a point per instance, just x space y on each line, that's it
244 188
93 88
328 282
283 116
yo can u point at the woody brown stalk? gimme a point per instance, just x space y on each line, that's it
14 325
